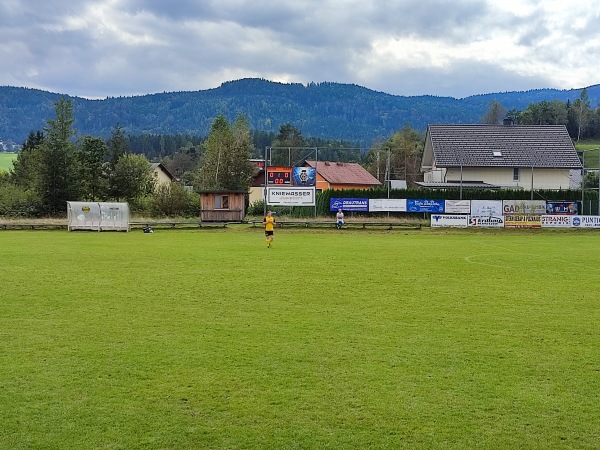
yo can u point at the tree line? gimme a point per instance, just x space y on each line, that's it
325 110
54 166
580 118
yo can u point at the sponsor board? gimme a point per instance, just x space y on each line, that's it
490 208
425 205
304 176
349 204
457 206
486 221
387 205
522 221
557 221
562 208
529 207
585 221
449 220
291 196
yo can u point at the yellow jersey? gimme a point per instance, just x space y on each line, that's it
269 221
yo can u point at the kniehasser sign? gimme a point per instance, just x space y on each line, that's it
291 196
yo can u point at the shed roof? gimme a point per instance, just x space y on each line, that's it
547 146
344 173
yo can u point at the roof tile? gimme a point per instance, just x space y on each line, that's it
520 146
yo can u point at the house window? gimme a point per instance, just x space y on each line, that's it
516 176
221 201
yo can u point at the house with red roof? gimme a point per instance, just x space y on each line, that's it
342 175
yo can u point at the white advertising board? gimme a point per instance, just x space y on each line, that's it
291 196
486 221
528 207
449 220
557 221
387 205
457 206
585 221
489 208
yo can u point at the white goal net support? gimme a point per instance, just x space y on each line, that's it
98 216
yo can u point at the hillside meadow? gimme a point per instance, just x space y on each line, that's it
355 339
6 160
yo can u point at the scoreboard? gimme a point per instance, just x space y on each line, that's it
281 176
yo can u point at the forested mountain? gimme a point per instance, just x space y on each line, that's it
325 110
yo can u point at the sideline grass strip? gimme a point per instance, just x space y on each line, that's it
206 339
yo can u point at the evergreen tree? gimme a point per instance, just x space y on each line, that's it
118 145
291 138
90 157
58 183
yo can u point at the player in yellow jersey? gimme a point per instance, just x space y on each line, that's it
269 223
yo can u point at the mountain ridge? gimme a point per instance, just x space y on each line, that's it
327 110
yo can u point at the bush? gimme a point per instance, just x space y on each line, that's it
174 200
16 202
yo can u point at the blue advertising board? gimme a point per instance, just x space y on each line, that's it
424 205
304 176
349 204
568 208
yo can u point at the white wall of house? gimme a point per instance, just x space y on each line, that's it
160 176
501 176
256 193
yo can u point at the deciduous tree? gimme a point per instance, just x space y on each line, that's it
227 155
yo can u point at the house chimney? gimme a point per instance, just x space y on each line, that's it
507 122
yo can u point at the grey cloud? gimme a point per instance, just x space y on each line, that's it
145 46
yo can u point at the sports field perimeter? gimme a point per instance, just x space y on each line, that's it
186 339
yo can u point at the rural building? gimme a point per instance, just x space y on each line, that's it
500 156
161 174
342 175
222 206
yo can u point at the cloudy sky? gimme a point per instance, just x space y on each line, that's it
100 48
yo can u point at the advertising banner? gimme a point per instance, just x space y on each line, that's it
387 205
489 208
522 221
486 221
557 221
349 204
570 208
457 206
585 221
304 176
291 196
449 220
528 207
423 205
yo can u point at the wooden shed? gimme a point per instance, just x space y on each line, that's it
222 206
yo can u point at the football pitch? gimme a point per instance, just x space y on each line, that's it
356 339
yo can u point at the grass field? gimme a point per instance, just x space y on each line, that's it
187 339
6 160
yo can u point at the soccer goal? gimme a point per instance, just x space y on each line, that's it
98 216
